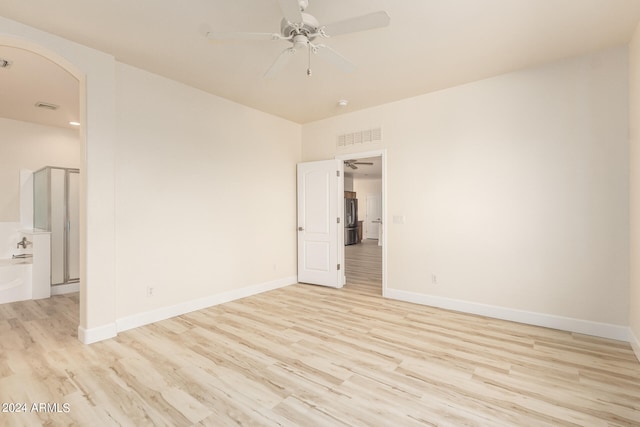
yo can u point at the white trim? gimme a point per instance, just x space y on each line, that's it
382 153
89 336
635 343
65 289
603 330
159 314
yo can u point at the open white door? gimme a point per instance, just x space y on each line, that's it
320 223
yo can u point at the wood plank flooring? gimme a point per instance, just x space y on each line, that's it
313 356
364 267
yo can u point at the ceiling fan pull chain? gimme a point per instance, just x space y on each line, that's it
309 47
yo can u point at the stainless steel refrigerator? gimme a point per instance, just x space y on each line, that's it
350 221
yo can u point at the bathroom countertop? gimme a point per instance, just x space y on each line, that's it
34 231
15 261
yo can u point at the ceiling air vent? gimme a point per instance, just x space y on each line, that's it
5 63
47 106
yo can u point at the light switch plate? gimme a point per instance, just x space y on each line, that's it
398 219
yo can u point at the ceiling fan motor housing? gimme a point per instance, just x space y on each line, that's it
308 28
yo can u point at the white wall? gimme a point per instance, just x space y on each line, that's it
514 190
30 146
205 195
634 161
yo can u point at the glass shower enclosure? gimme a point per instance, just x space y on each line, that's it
56 208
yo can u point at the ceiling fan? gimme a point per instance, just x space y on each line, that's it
301 30
352 163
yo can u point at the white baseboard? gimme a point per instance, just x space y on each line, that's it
163 313
65 289
635 343
603 330
89 336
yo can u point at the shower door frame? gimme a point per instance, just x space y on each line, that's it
66 215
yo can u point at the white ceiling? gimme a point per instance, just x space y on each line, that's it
32 79
429 45
373 171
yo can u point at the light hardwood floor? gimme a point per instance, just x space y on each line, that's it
313 356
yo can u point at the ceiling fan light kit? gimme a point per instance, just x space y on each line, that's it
301 29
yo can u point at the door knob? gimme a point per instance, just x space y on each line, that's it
300 229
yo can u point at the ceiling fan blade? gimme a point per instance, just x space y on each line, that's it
334 57
351 164
236 35
291 11
280 62
359 23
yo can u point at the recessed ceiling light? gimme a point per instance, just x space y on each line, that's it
343 103
74 123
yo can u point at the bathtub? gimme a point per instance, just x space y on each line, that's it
15 280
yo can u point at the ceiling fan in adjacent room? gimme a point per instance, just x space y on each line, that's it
301 30
352 163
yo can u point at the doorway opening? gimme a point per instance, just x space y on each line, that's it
46 116
365 233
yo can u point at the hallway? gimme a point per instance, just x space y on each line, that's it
364 266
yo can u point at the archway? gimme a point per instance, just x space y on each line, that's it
29 54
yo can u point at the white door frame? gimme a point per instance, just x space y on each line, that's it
385 229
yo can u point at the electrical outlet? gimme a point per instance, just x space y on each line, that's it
150 291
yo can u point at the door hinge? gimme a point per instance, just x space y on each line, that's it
338 173
338 267
338 220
